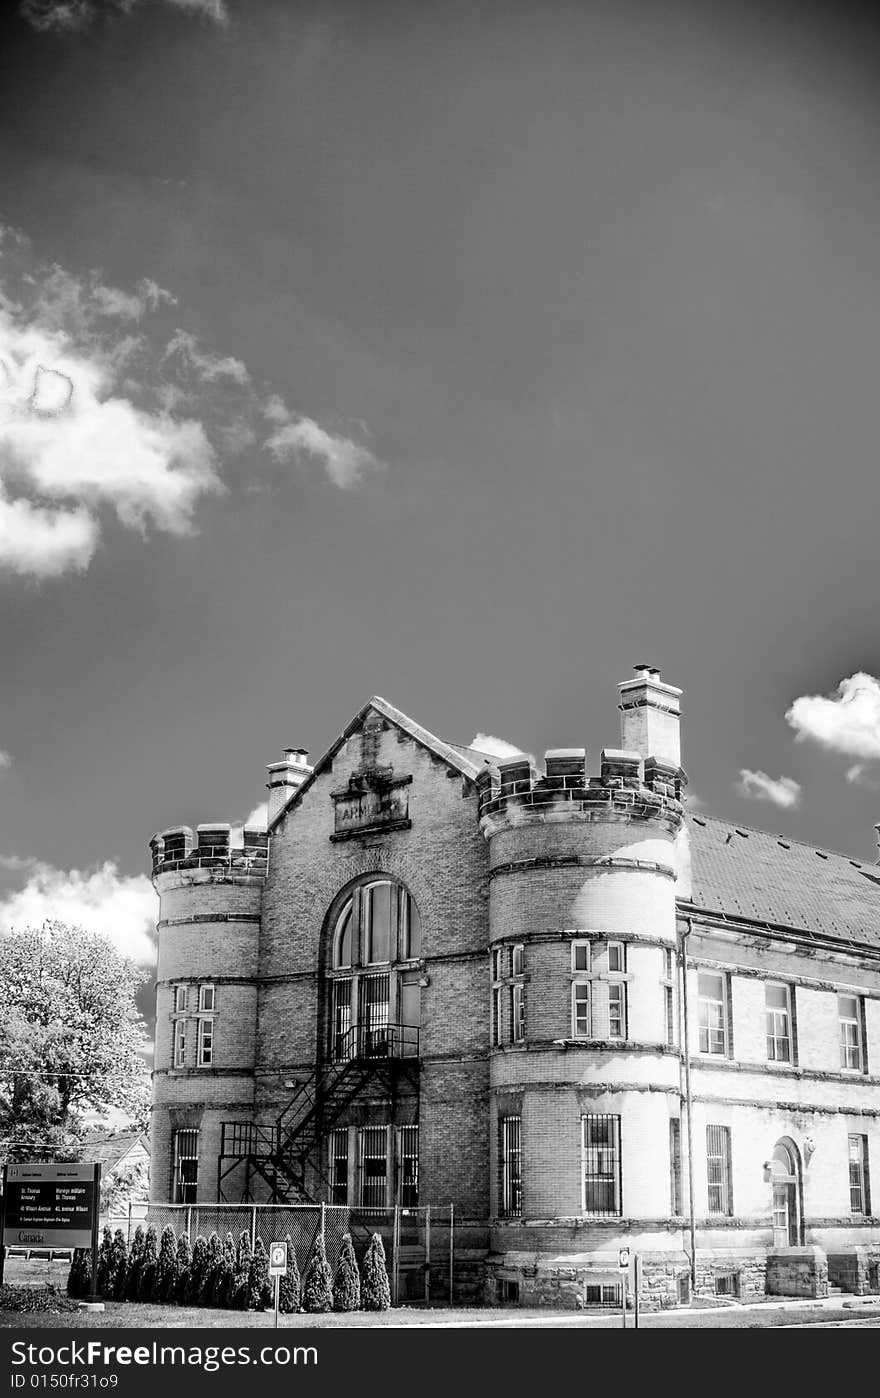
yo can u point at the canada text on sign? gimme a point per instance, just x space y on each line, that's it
49 1205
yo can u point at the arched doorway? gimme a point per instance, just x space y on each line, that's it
785 1169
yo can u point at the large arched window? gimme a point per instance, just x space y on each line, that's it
374 1007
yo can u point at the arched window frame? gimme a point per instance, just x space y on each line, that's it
369 1005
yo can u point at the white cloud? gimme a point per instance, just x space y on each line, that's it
208 367
781 791
101 900
847 722
70 16
346 462
40 543
259 816
5 759
494 747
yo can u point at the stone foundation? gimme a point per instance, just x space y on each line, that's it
735 1274
512 1281
797 1272
856 1270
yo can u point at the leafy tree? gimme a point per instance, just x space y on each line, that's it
102 1276
347 1283
290 1286
149 1263
79 1278
261 1292
375 1290
135 1259
240 1291
166 1267
182 1265
318 1290
127 1183
197 1271
69 1037
118 1266
224 1274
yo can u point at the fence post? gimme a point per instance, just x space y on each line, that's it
395 1260
323 1212
428 1255
189 1224
253 1227
451 1250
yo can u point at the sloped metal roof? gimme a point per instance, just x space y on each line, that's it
747 873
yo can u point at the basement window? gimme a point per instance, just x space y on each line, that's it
727 1284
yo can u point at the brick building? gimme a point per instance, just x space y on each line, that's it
441 977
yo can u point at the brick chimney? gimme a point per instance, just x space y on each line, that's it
650 716
286 777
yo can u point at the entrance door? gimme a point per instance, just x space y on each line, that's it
786 1196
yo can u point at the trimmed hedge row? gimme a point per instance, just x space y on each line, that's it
234 1277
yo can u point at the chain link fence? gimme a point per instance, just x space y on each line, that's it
419 1242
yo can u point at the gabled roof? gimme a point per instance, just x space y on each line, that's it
467 761
771 879
112 1150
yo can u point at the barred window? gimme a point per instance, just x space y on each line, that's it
373 1014
337 1154
718 1170
859 1192
186 1167
777 999
712 992
849 1009
510 1159
408 1165
602 1192
675 1165
372 1166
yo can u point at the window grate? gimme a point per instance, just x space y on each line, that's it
602 1192
718 1169
511 1167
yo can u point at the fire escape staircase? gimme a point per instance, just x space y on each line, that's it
286 1154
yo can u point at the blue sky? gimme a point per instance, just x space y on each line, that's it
468 355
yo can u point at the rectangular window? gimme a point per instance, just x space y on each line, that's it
206 997
373 1015
410 928
616 957
580 956
497 1016
340 1020
675 1166
668 964
378 921
373 1166
601 1174
510 1160
338 1162
206 1043
718 1169
712 994
859 1192
180 1043
518 1013
580 1010
180 999
777 1002
408 1166
186 1166
517 959
617 1010
497 964
669 1016
850 1012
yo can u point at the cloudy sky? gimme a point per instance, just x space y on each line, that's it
467 355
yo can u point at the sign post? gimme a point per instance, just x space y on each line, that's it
637 1286
623 1268
51 1205
277 1270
